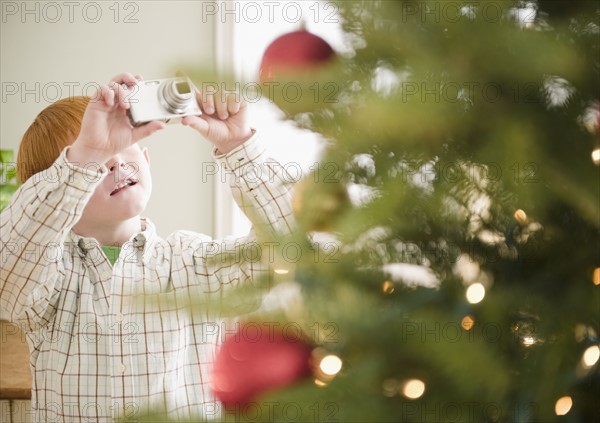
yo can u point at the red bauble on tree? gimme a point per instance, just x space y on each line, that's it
256 359
294 52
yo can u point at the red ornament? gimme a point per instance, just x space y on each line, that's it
258 358
294 52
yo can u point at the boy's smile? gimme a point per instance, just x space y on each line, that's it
124 184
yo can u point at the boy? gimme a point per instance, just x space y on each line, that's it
109 341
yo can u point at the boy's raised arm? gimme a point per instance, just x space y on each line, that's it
262 189
33 229
259 186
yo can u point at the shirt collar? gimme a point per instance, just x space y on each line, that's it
144 239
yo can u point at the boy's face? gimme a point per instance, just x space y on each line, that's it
123 193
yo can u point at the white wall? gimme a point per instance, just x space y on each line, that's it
58 45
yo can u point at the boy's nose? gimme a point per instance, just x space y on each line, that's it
115 164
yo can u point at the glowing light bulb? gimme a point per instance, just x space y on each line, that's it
387 287
475 293
563 406
528 341
330 365
596 276
413 388
281 271
590 356
520 216
596 156
467 322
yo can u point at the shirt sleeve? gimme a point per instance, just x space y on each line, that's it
260 186
262 189
33 228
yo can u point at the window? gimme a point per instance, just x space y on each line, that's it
243 34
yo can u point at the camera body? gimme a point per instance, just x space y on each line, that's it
166 100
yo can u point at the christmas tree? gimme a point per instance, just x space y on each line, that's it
449 259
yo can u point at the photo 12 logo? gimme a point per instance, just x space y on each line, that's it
270 11
450 12
69 12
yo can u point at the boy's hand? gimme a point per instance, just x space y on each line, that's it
224 121
105 128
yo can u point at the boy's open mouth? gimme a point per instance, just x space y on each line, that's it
124 184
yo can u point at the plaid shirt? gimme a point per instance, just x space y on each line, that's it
99 349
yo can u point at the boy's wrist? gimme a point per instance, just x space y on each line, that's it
81 156
250 151
232 144
90 171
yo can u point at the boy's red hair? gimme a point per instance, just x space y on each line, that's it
53 129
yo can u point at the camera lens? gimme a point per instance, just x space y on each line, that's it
183 87
176 95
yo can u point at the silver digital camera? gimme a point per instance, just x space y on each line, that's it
167 100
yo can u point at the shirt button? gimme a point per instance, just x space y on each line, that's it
121 368
119 317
